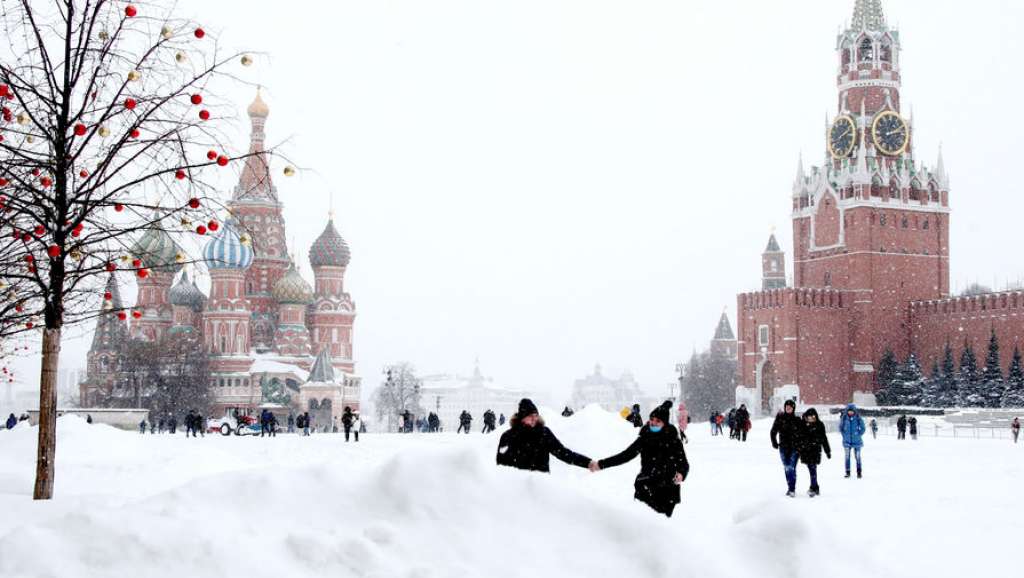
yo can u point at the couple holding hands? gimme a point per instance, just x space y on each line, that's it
528 444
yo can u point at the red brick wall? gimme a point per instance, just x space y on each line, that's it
971 318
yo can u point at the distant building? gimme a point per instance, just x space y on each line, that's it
447 395
610 394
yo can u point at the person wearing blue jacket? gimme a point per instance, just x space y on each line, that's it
11 421
852 427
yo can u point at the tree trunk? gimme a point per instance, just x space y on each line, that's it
47 415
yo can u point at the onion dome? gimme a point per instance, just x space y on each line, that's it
227 250
186 293
329 250
258 108
157 251
293 289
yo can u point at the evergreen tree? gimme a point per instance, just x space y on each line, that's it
947 390
992 378
909 385
1014 393
888 373
968 394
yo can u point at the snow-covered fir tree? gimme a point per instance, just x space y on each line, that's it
1013 395
992 377
968 379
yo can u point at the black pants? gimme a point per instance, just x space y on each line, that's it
743 432
348 430
264 429
902 435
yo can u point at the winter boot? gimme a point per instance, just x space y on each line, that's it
813 492
847 474
791 494
859 475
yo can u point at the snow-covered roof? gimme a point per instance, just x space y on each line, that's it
262 365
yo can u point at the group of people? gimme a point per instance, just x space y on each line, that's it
528 445
903 424
13 420
804 439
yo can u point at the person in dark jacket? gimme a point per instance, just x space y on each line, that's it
874 428
489 419
663 463
88 418
272 424
291 423
813 440
742 423
347 418
901 428
731 421
11 421
567 412
501 420
465 422
912 426
264 422
1014 427
528 443
785 434
172 424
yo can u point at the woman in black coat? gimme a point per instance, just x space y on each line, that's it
528 443
663 463
812 441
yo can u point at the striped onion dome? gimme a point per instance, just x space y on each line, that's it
329 250
158 251
186 293
293 289
227 251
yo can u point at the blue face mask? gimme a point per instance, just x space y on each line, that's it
655 428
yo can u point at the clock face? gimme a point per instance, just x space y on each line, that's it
843 137
890 133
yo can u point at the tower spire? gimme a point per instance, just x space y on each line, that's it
868 15
255 183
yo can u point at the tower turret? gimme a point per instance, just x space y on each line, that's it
293 295
103 359
226 319
333 311
773 266
159 253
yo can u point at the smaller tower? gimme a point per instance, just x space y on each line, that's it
187 302
103 359
332 312
293 295
773 266
724 343
227 315
160 254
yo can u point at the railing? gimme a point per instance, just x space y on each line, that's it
964 431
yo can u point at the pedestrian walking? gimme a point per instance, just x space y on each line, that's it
489 419
851 426
901 428
465 422
663 463
874 429
1014 427
347 420
813 441
142 427
785 435
11 422
912 426
742 423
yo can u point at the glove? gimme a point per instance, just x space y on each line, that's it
775 445
828 455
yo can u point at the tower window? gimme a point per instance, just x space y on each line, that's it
828 278
762 335
867 50
882 220
906 223
885 53
925 225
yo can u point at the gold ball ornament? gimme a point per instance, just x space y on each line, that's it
104 131
104 36
134 75
22 118
246 60
244 239
30 139
186 223
166 32
125 258
180 57
76 255
289 171
179 258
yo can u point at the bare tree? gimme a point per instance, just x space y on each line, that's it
108 131
399 392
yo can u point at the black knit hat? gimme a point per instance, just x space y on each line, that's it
661 412
526 407
790 402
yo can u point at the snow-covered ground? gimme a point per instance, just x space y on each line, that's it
436 506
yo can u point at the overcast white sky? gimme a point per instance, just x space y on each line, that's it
547 184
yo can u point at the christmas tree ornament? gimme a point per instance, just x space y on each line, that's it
222 161
130 103
111 267
118 207
135 133
130 11
104 131
201 229
29 325
136 263
213 225
76 255
200 33
40 230
107 296
246 60
180 57
136 314
22 118
125 258
80 129
53 251
121 315
83 174
143 273
30 139
30 258
134 75
35 172
186 223
179 174
212 155
166 32
289 171
204 114
193 203
197 99
179 258
46 182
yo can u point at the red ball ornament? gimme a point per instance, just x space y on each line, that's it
25 238
193 203
213 225
19 307
35 172
29 325
107 296
136 314
136 263
200 33
201 230
130 104
143 273
84 174
197 99
5 91
118 207
53 251
30 258
111 267
40 230
211 155
3 181
222 161
121 315
204 115
130 11
135 133
46 182
80 129
180 175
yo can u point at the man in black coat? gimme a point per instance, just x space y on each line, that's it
742 423
347 418
465 421
528 443
901 428
663 463
812 441
786 433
